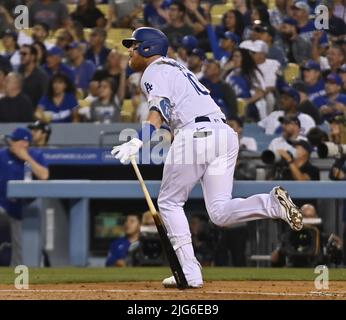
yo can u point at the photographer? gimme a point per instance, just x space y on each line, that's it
299 168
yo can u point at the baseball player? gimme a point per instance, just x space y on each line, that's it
178 99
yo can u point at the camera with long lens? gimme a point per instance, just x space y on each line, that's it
331 150
148 251
273 157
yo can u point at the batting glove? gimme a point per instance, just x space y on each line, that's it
126 150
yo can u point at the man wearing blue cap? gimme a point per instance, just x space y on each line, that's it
84 69
336 103
315 84
54 63
16 161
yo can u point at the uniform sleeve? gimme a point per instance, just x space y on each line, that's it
155 83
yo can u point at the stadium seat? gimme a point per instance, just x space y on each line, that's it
71 8
218 10
241 107
115 36
127 111
104 9
291 72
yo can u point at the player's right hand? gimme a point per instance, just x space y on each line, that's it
126 150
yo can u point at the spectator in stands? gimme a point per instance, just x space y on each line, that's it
339 9
15 106
11 52
121 14
291 132
305 105
120 248
228 43
55 65
41 53
97 51
40 32
278 14
64 39
290 100
297 50
52 13
107 106
247 81
116 64
176 29
197 18
83 69
245 143
13 160
316 86
270 69
258 13
267 33
220 91
306 27
336 57
242 7
195 62
156 13
299 167
60 104
233 21
77 32
88 14
35 80
40 132
336 103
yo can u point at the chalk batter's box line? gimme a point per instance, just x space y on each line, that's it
288 294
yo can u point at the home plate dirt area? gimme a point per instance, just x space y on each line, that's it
144 283
213 290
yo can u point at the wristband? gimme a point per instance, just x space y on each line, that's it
146 132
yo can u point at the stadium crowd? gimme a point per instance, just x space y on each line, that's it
264 62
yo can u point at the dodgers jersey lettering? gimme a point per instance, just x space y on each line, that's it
188 98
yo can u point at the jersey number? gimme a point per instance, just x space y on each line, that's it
196 84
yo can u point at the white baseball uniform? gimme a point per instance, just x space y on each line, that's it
204 149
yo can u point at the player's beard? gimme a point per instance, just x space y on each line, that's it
137 63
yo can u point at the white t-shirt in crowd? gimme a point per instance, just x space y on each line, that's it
281 143
271 122
249 143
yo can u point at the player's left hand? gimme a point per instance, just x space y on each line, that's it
126 150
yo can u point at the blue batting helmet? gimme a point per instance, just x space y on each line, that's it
151 42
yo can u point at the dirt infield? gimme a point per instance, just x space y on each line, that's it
214 290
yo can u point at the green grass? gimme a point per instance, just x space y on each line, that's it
78 275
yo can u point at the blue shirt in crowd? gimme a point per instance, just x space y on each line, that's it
63 112
84 74
317 94
306 32
240 85
118 251
12 168
63 68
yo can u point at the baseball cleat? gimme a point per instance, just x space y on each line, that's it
171 283
293 215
